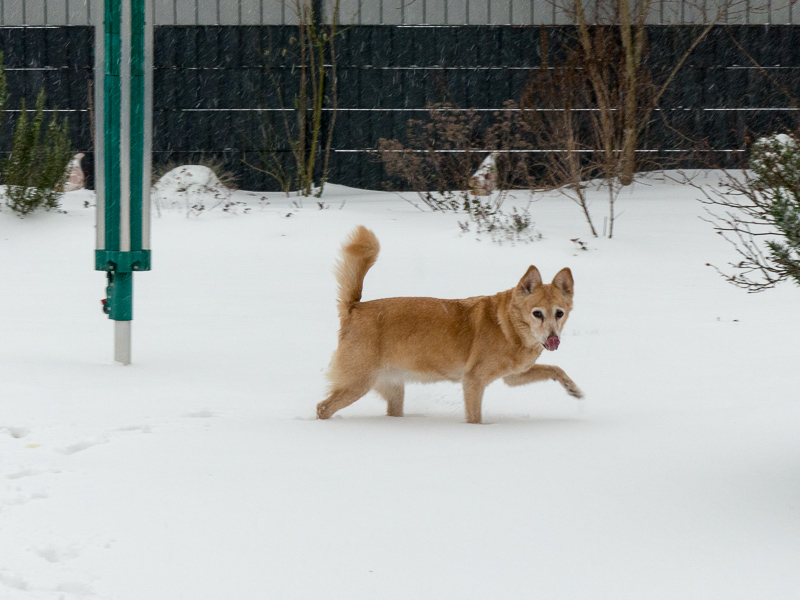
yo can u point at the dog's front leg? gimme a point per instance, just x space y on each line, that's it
543 373
473 397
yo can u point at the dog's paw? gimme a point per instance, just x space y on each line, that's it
572 389
323 410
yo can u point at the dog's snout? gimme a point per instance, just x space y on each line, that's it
552 342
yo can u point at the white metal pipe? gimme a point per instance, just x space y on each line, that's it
122 342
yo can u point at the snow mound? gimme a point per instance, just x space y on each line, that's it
774 153
778 139
195 188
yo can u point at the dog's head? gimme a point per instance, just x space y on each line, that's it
543 308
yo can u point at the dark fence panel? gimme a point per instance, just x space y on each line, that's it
59 60
218 89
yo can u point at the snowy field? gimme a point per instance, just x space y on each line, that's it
200 471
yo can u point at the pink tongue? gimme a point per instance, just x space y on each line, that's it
552 343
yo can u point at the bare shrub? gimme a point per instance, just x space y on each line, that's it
590 109
302 128
439 156
442 154
516 226
552 112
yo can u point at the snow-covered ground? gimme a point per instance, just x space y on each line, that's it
200 473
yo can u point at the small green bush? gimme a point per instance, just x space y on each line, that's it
761 217
35 171
775 163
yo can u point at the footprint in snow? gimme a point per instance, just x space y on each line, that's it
141 428
15 432
86 444
12 580
200 414
30 473
20 498
81 446
76 588
53 554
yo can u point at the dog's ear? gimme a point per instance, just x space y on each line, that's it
563 281
530 280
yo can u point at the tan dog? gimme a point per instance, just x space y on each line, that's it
385 343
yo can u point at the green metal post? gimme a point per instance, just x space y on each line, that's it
123 105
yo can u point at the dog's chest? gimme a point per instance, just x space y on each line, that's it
522 360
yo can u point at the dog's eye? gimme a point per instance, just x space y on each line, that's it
559 314
538 314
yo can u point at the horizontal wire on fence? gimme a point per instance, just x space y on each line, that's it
440 68
493 110
49 110
532 151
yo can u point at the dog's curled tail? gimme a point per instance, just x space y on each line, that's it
359 253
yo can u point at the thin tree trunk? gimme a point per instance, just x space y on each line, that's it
302 99
334 96
611 199
318 69
630 87
599 87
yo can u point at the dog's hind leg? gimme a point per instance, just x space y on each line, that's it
351 377
341 397
543 373
393 393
